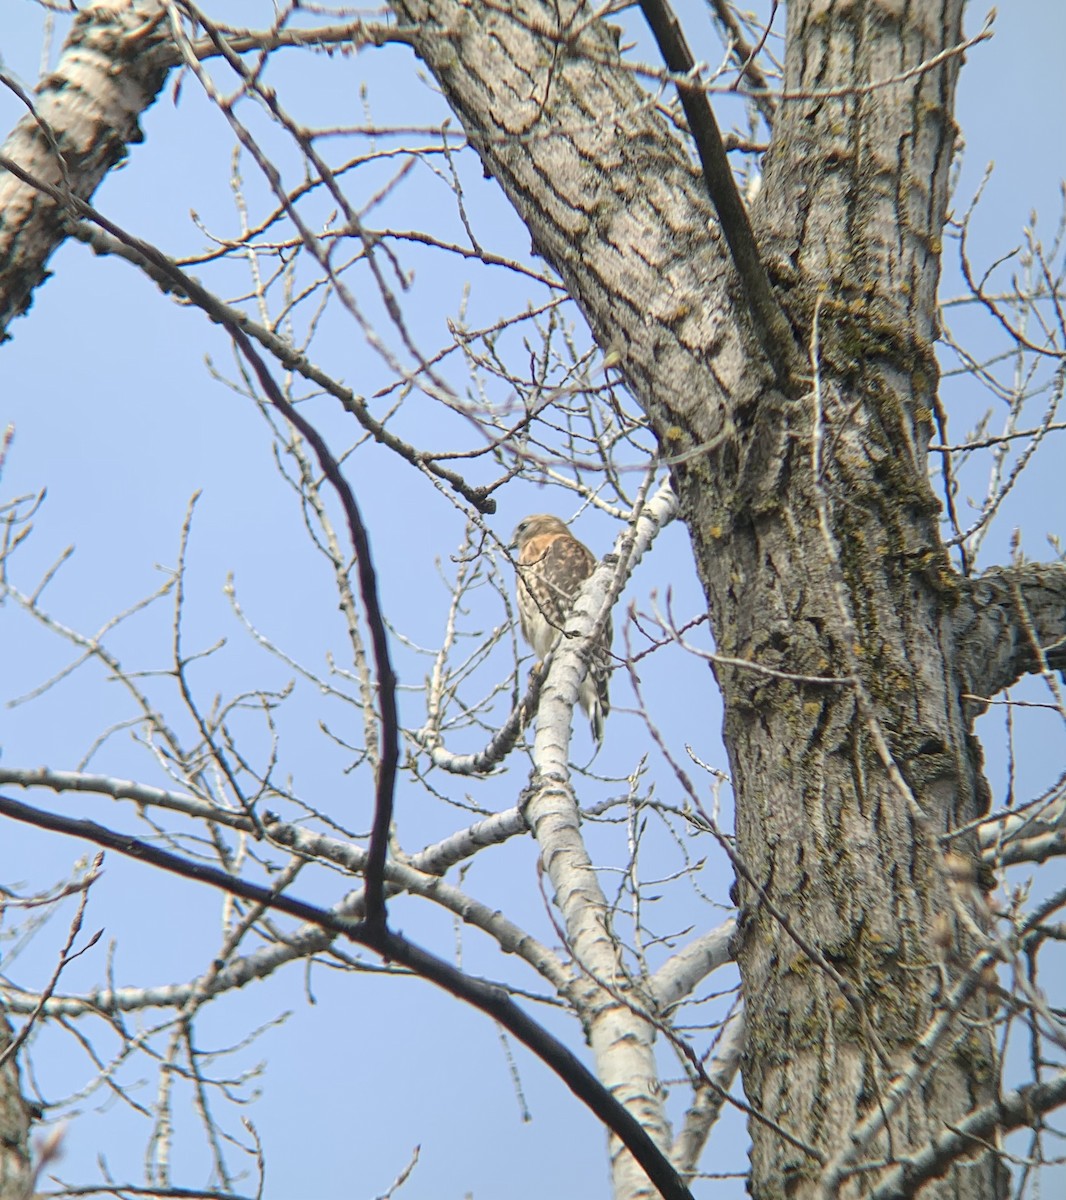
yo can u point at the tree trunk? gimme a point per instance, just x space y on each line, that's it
16 1173
824 558
812 523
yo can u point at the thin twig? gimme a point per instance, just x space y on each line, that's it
487 997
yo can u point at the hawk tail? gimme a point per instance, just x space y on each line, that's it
594 700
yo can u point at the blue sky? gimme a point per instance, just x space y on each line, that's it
117 415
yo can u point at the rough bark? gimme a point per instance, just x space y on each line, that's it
854 202
610 196
16 1174
819 555
1010 622
87 114
812 523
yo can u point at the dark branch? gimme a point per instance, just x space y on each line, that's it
1010 622
386 677
385 786
108 238
771 326
487 997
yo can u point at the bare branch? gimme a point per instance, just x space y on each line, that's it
681 973
66 956
711 1096
1013 1110
368 591
771 325
746 55
171 278
994 649
392 947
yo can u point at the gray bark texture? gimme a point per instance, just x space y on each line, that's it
16 1174
812 522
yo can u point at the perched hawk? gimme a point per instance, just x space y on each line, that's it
552 566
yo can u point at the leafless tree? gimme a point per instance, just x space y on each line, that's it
746 345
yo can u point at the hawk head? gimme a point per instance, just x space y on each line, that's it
536 526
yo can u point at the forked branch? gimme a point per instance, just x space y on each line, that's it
487 997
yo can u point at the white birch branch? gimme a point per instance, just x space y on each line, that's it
84 118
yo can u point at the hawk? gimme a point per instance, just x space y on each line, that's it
552 565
